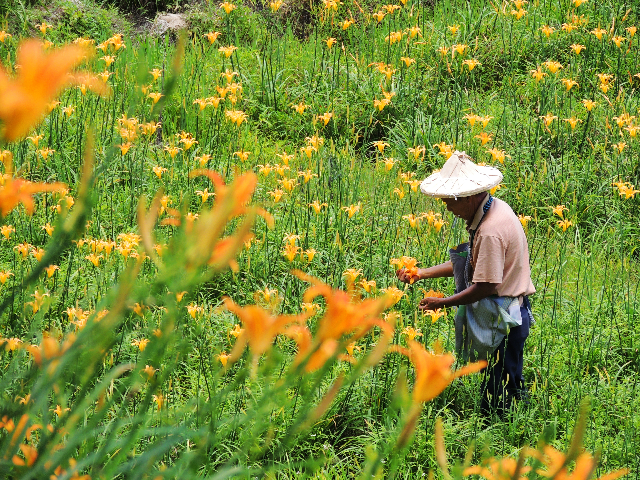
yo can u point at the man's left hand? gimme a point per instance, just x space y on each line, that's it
471 294
431 303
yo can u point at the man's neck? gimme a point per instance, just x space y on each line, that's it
474 204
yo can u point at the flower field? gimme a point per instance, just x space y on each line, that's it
199 234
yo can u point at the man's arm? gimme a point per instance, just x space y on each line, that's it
443 270
472 294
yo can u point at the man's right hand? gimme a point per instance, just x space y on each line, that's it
409 277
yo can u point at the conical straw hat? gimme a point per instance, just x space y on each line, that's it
460 177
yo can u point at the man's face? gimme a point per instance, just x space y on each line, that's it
459 207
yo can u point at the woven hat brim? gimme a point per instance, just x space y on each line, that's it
484 179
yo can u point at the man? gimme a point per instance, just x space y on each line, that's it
493 278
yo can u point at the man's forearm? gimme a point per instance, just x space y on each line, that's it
437 271
472 294
475 292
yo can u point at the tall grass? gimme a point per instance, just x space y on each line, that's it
169 407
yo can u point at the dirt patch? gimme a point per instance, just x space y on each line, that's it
168 22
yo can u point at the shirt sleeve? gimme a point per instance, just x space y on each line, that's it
489 253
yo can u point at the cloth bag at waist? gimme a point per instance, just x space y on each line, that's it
480 326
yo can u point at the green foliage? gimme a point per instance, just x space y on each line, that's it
69 20
188 415
7 6
91 21
146 7
243 27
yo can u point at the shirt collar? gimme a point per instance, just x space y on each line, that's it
479 214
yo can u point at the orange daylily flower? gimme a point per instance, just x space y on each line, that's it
212 36
345 314
17 190
411 333
399 192
484 137
552 65
30 455
435 314
206 243
498 155
414 221
433 371
524 219
559 209
556 465
49 348
471 63
410 264
564 224
497 469
547 30
538 74
352 209
40 79
260 327
351 275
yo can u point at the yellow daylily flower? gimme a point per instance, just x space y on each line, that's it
547 30
552 66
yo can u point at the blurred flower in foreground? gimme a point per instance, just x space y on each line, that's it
16 190
433 370
41 77
260 327
503 468
556 464
49 349
30 456
345 314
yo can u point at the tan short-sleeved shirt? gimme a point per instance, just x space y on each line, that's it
500 251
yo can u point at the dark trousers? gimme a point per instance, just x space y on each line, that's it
503 382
